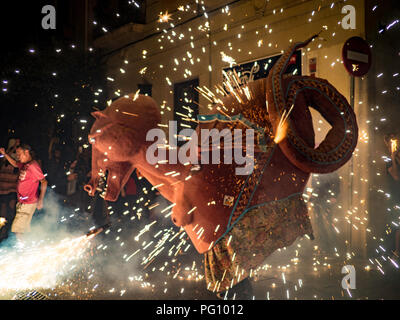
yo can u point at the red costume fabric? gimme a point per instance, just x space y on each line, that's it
130 187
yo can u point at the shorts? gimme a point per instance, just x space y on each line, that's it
23 217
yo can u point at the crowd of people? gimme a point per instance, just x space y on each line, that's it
29 197
8 189
62 174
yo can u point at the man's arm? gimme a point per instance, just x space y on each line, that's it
394 169
43 187
9 159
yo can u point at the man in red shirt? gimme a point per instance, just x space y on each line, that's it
30 174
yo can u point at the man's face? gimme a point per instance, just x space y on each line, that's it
23 155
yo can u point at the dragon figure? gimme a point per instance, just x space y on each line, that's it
236 221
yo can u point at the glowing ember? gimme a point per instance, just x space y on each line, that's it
164 17
3 222
283 126
393 145
228 59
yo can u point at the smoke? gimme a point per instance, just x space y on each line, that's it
52 221
138 253
326 210
58 256
48 252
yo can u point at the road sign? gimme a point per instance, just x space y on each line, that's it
357 56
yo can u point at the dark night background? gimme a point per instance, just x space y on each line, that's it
29 108
32 99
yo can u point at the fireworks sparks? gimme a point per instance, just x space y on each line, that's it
164 17
282 126
41 266
166 243
143 71
393 145
228 59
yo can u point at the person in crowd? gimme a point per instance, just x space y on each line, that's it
8 190
130 192
74 175
28 196
56 172
13 144
54 142
392 143
100 207
80 169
